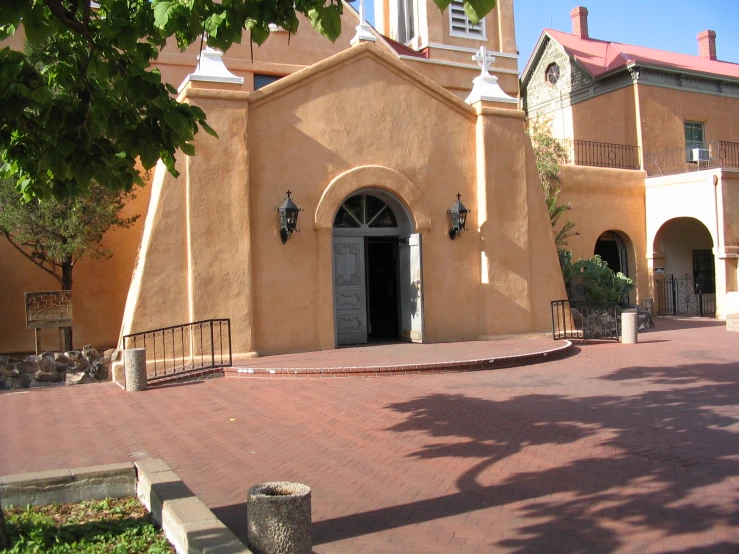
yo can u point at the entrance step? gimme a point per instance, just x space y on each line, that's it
405 359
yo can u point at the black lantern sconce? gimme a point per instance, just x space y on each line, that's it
288 218
459 218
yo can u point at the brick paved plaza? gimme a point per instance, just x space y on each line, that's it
619 448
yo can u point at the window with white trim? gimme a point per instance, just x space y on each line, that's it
461 26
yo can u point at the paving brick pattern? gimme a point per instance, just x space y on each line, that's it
620 448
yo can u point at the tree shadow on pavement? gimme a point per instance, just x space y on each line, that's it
587 474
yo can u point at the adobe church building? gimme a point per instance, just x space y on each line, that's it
375 137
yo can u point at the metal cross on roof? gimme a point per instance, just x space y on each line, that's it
483 59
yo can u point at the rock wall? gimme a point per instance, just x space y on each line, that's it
75 367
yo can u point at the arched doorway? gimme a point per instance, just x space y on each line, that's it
377 270
611 247
684 270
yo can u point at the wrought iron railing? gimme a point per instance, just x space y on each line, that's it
601 154
182 349
696 157
586 320
685 296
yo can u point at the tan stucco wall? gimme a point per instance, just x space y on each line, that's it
309 134
663 112
98 292
607 118
608 200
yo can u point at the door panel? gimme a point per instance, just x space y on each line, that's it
350 301
411 289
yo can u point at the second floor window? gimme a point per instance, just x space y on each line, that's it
694 134
461 26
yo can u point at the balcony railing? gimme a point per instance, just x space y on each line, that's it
601 154
709 155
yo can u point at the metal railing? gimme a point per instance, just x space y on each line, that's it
601 154
182 349
586 320
685 296
697 157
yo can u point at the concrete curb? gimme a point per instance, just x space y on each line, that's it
68 485
187 523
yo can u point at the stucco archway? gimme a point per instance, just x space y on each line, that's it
684 268
374 176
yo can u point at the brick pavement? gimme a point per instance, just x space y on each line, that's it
620 448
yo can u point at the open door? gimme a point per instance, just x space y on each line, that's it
411 289
350 292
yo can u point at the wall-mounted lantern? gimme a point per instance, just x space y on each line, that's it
459 218
288 217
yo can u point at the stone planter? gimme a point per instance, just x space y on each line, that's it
279 518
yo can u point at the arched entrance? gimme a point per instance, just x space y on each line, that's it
377 270
684 268
611 247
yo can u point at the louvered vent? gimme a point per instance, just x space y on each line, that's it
461 26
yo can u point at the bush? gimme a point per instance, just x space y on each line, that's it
602 284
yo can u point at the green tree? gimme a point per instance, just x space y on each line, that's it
550 154
55 234
83 104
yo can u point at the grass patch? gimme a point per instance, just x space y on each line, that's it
114 525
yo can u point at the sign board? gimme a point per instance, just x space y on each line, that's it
48 309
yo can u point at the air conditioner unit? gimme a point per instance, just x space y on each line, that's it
696 155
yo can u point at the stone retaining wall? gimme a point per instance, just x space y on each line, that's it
75 367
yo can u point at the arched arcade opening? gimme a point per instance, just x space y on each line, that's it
684 268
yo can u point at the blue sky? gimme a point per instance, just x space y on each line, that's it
665 24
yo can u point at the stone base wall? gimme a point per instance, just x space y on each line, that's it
732 323
76 367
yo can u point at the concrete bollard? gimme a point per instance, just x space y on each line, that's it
648 304
279 518
134 362
629 327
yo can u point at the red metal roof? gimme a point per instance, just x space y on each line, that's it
599 57
404 50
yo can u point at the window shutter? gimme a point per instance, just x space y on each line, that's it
460 25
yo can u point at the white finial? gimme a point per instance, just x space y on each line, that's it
211 69
485 86
364 31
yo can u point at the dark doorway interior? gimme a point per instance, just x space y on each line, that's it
608 250
382 288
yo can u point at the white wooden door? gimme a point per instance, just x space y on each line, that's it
411 289
350 300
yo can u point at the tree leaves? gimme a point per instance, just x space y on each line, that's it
87 81
327 20
477 9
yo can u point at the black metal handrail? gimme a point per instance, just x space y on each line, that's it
585 320
184 348
696 157
601 154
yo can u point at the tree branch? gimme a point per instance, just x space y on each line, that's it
39 264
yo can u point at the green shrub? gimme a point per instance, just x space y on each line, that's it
602 284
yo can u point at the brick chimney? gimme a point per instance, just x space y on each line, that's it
579 17
707 45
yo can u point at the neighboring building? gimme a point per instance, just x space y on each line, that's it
653 138
375 142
